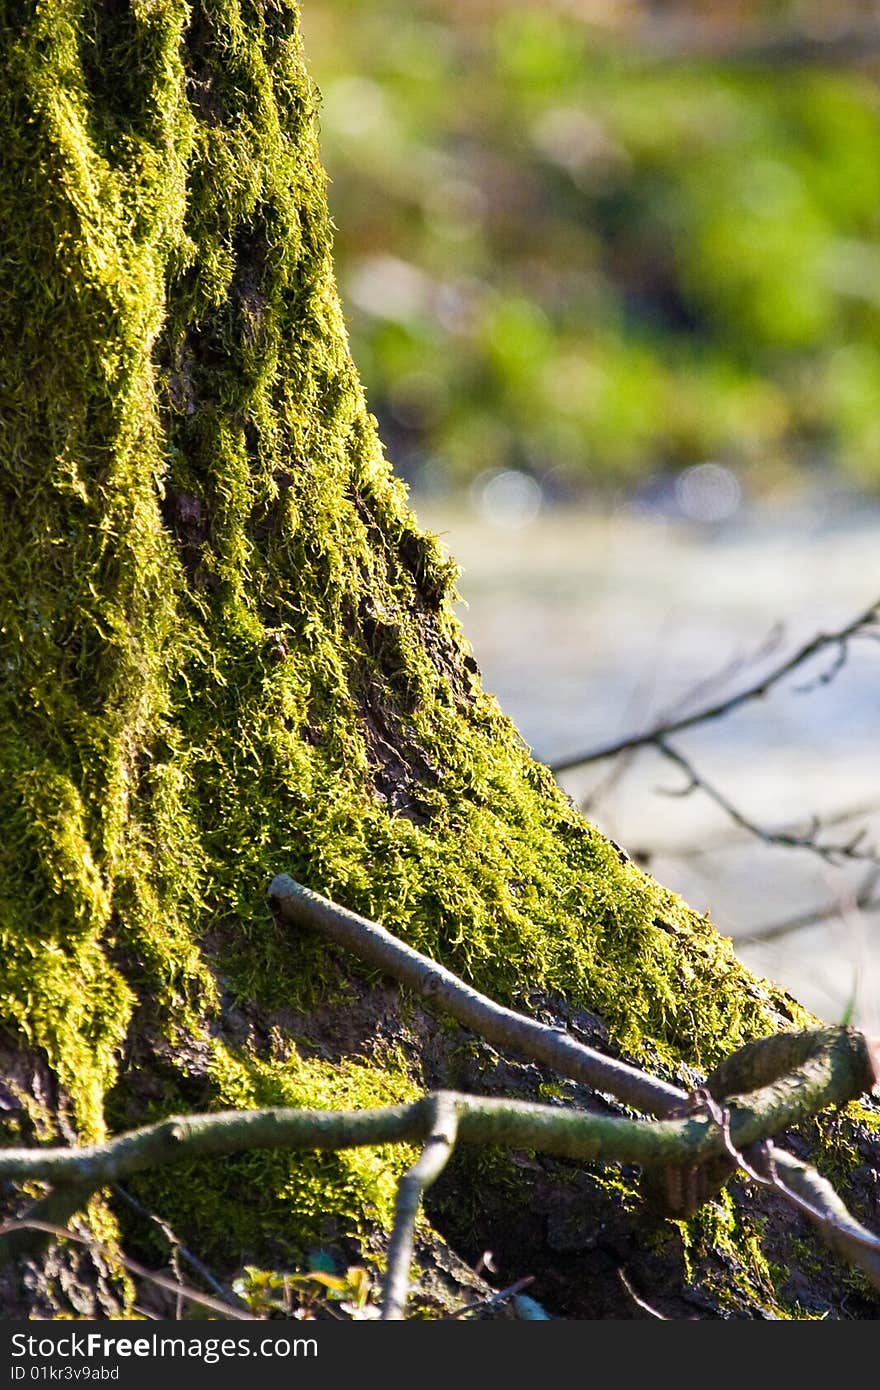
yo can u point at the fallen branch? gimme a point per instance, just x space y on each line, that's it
839 1070
816 1198
766 1086
838 1067
441 989
805 1189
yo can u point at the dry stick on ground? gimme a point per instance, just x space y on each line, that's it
839 1069
640 1302
867 624
443 990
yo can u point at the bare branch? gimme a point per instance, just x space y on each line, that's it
787 1078
552 1129
825 1067
806 1190
866 624
815 1196
851 849
722 677
730 840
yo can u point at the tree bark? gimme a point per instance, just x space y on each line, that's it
228 651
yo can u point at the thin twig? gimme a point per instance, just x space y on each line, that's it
114 1256
652 1312
849 850
865 900
809 1071
176 1245
787 1078
816 1198
861 626
492 1300
730 840
806 1190
410 1190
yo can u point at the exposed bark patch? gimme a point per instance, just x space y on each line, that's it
33 1106
386 693
62 1281
181 392
66 1281
401 767
246 294
427 586
186 517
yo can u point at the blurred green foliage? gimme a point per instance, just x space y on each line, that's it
561 252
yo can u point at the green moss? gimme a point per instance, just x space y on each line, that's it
278 1203
228 651
733 1239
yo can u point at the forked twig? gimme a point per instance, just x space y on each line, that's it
805 1189
847 850
410 1190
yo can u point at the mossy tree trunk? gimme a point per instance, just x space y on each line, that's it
229 651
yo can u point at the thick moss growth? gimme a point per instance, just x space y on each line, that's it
228 651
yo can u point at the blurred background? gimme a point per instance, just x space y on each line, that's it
611 270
